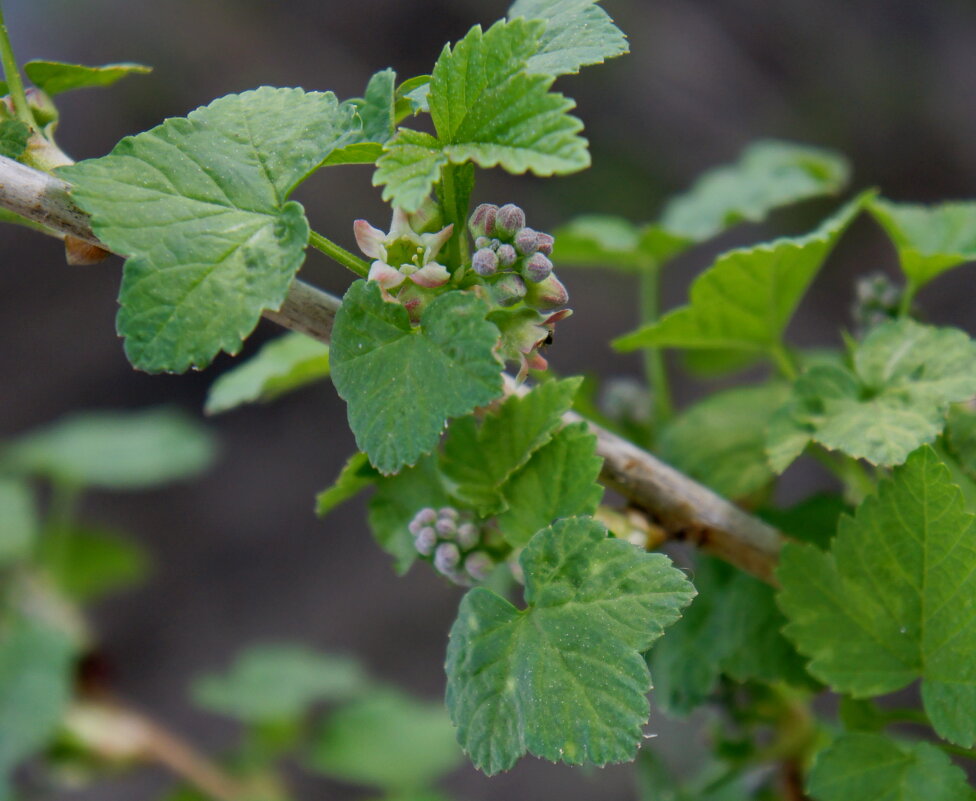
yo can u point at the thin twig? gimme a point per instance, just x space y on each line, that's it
682 507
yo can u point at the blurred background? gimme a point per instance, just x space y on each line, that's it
240 556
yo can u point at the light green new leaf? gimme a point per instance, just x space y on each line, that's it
411 96
895 598
357 474
115 450
478 459
282 365
35 686
19 525
929 239
562 679
387 740
746 299
199 204
88 564
721 441
904 378
13 138
857 767
578 33
408 169
402 383
376 107
277 683
596 240
560 480
488 110
767 175
55 77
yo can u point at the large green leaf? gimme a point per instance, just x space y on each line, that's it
19 525
746 299
904 377
895 598
929 239
478 459
767 175
402 383
387 740
282 365
35 686
721 441
199 204
55 77
578 33
115 450
858 767
277 683
562 679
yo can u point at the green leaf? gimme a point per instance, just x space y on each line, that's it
478 459
929 239
411 96
961 436
562 679
115 450
13 138
356 153
767 175
598 240
486 109
408 169
199 205
269 683
18 521
401 383
895 399
857 767
813 520
387 740
732 627
87 564
578 33
894 599
721 441
282 365
376 108
55 77
746 299
35 686
357 474
398 498
560 480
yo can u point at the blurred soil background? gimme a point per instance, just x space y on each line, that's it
240 556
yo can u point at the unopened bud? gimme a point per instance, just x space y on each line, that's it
468 535
547 294
423 518
482 220
485 262
479 565
506 256
446 527
526 241
425 541
448 511
509 219
537 268
508 290
446 558
43 108
485 242
545 243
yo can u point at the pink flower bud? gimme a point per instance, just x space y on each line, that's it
547 294
526 241
509 219
468 535
537 268
482 220
485 262
479 565
545 243
506 256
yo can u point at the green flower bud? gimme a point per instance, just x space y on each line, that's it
485 242
547 294
43 108
509 219
479 565
506 256
468 536
537 268
482 220
508 290
485 262
526 241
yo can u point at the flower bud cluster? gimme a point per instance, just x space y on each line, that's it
876 300
453 542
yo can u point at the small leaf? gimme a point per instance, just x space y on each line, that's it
904 378
357 153
387 740
13 138
357 474
89 564
19 525
478 459
402 383
600 241
895 598
281 366
376 107
275 683
411 96
721 441
863 766
560 480
199 205
408 169
55 77
578 33
929 239
746 299
115 450
562 679
767 175
486 109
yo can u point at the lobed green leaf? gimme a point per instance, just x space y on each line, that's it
408 169
356 475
